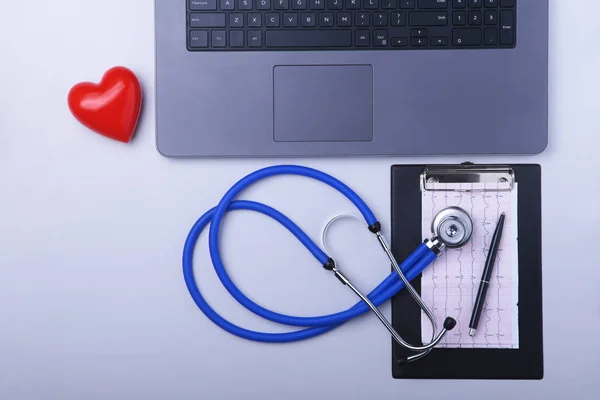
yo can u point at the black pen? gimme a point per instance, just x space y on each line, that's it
486 276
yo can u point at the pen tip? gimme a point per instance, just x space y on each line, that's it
471 332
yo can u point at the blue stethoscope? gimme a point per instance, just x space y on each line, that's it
414 264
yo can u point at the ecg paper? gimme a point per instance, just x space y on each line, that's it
449 285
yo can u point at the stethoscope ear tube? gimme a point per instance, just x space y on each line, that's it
394 283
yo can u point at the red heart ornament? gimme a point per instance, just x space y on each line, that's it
110 108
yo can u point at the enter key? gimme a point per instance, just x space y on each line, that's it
507 27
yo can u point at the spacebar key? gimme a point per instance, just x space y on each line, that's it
309 38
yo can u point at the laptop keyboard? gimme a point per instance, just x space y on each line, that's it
262 25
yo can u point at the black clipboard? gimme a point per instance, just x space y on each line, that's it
468 363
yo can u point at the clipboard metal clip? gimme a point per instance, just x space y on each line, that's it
497 178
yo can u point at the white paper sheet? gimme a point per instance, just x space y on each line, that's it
449 286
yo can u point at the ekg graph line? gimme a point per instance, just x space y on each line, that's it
449 286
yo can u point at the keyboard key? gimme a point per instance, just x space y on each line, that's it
429 18
388 4
353 4
459 3
362 37
245 4
399 42
380 38
227 5
272 20
491 3
418 33
299 4
439 41
491 17
218 38
371 4
309 38
459 18
326 19
282 4
467 37
203 5
344 19
361 19
255 20
263 4
507 28
254 38
380 19
475 3
207 20
236 20
309 19
290 20
317 4
199 39
336 4
491 36
398 18
507 3
475 17
407 4
433 3
419 42
236 38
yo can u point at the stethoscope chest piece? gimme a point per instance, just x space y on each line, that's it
453 226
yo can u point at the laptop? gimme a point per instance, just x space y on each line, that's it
287 78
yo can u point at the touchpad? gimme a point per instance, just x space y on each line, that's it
323 103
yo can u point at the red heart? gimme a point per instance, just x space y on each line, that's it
111 108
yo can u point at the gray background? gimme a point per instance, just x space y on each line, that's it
92 300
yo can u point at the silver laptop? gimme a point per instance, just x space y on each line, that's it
270 78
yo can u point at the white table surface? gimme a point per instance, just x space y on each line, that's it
92 300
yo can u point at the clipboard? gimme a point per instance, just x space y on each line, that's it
522 363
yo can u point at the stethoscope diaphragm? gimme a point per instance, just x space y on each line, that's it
453 226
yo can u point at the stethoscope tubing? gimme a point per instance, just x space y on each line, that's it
412 266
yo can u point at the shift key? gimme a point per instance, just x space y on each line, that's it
467 37
428 18
207 20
